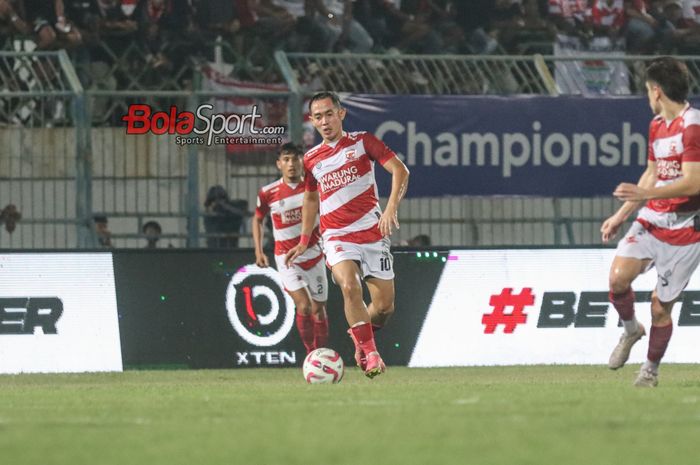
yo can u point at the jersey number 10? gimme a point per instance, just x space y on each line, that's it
385 264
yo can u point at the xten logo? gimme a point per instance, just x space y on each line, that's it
21 315
258 308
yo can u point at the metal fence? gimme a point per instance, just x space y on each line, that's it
454 74
63 159
42 149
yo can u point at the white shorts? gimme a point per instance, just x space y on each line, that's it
375 259
674 264
295 277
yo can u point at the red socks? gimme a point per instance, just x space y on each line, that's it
365 337
658 341
313 332
305 325
320 333
624 304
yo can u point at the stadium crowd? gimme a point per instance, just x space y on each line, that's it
167 33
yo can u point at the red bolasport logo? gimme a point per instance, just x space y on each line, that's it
203 126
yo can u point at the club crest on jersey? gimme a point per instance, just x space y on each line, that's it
350 155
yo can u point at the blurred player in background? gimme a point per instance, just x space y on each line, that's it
340 181
666 233
305 280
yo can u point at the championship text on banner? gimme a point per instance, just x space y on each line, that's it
513 307
461 145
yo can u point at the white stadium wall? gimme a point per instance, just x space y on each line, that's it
138 178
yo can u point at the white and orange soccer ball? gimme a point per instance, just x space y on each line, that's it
323 366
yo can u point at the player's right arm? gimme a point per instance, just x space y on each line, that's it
309 210
612 225
260 258
261 210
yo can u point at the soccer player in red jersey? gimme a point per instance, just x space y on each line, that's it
666 232
305 280
340 184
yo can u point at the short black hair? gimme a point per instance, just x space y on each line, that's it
671 75
153 224
324 95
290 147
99 218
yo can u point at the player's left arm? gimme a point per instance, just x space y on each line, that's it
399 184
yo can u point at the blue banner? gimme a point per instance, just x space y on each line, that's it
548 146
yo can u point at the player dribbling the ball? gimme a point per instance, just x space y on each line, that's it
339 179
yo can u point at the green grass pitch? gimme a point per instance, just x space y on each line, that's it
493 415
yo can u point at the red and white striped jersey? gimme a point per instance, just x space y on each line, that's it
670 145
343 175
605 13
284 202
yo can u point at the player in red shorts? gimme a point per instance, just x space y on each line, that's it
340 184
305 280
666 232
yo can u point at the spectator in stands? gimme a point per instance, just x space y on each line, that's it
419 33
217 17
152 231
476 18
309 35
116 17
608 18
421 240
224 218
9 216
274 19
51 27
10 20
641 29
569 17
680 27
522 27
103 237
345 32
160 22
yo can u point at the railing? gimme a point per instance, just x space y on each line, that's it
457 74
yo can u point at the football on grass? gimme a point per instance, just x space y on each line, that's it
323 366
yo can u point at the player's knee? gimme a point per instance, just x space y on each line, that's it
304 308
351 289
619 284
